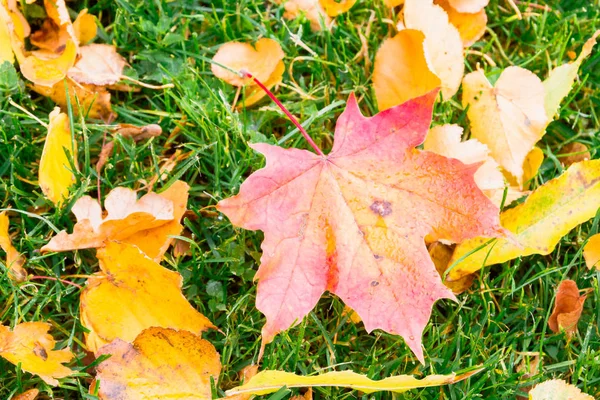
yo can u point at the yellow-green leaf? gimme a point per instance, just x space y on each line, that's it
539 223
271 381
56 175
559 82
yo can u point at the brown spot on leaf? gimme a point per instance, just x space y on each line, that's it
382 208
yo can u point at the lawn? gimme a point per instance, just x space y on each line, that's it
500 323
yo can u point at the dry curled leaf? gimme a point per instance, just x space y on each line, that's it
146 223
353 222
591 252
443 45
539 222
568 306
557 389
14 260
30 345
509 117
132 293
441 255
159 364
470 26
401 71
59 157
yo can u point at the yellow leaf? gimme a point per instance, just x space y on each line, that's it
45 68
159 364
6 52
126 217
557 389
440 255
561 79
133 293
30 345
334 8
55 174
471 26
532 165
443 45
85 27
591 252
89 100
401 71
253 93
270 381
14 260
538 224
509 118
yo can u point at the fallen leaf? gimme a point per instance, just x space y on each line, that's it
312 9
30 394
138 132
334 8
159 364
6 52
470 26
126 216
393 3
306 396
14 260
591 252
509 118
557 389
266 382
573 152
353 222
30 345
443 45
568 306
56 29
253 93
99 64
85 27
260 60
245 375
441 255
88 100
532 165
561 79
538 223
58 157
468 6
401 71
133 293
47 68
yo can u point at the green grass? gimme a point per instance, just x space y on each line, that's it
502 316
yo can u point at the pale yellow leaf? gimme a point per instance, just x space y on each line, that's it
99 64
468 6
591 252
557 389
14 260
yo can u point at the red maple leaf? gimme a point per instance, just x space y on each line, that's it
353 222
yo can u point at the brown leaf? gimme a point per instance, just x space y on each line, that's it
30 394
138 133
572 153
567 308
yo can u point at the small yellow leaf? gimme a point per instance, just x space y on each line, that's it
440 255
6 52
538 224
591 252
334 8
55 174
271 381
561 79
532 165
30 345
89 100
509 118
45 68
471 26
401 71
14 260
159 364
85 27
133 293
557 389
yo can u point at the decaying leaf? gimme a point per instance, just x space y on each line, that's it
441 255
139 222
58 158
538 223
159 364
568 306
557 389
561 79
271 381
353 222
468 6
30 345
591 252
89 100
471 26
334 8
443 45
99 64
509 118
574 152
14 260
401 71
132 293
138 132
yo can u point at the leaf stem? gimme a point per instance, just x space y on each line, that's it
66 282
286 112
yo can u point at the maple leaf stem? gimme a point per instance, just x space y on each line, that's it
286 112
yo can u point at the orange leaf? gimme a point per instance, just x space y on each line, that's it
353 222
159 364
30 394
14 260
591 252
85 27
133 293
568 306
127 220
471 26
312 9
334 8
30 345
401 71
